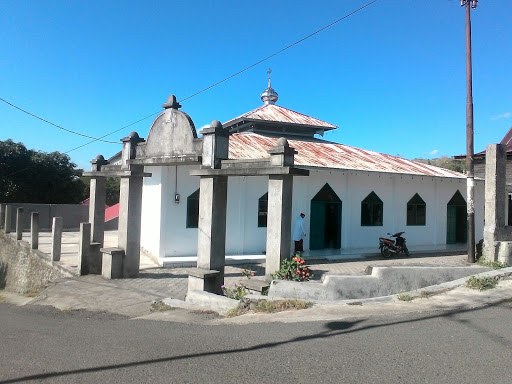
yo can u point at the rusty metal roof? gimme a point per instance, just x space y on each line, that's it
507 140
276 113
324 154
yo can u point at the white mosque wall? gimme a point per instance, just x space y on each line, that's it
151 210
164 231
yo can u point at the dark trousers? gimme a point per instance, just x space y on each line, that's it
299 247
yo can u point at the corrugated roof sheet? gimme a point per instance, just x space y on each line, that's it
507 140
276 113
332 155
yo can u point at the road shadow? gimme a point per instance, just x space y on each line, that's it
332 329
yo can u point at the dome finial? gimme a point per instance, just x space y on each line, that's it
269 96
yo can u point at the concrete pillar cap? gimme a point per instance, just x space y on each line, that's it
171 103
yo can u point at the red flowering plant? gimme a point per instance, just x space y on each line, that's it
239 290
294 269
236 293
247 273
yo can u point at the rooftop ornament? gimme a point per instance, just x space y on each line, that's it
269 95
171 103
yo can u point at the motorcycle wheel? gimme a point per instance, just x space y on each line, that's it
406 251
385 252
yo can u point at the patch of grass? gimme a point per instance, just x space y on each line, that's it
236 312
160 306
31 293
492 264
426 294
205 312
481 283
270 306
405 297
2 299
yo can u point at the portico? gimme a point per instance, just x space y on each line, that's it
172 141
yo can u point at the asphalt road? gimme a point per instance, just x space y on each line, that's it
42 344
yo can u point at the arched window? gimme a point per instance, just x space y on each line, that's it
263 210
416 211
372 210
193 210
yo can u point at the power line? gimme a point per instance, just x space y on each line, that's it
55 125
281 50
203 90
117 130
246 68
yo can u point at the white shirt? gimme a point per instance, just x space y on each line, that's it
299 232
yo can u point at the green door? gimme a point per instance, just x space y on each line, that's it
317 225
456 220
451 224
325 225
332 225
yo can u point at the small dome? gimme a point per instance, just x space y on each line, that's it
269 95
216 124
282 142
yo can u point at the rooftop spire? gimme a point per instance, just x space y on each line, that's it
269 96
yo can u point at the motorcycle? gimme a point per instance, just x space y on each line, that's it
389 247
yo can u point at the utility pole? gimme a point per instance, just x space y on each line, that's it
468 4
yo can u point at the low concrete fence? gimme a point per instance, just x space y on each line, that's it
383 281
72 214
23 269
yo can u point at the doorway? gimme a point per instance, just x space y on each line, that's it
325 228
456 223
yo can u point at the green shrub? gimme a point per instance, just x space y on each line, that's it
405 297
492 264
481 283
236 293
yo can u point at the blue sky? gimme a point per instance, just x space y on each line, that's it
392 77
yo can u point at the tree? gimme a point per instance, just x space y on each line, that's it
446 162
28 176
112 189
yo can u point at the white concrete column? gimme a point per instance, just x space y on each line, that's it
279 221
279 218
56 238
8 218
34 230
211 241
83 248
130 209
97 201
2 215
19 223
495 198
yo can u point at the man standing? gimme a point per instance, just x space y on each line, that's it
299 233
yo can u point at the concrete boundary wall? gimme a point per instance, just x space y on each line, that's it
72 214
383 281
23 269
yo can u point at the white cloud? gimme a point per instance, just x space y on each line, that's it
434 152
505 115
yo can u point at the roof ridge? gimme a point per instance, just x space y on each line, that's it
303 114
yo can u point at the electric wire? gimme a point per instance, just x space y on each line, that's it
55 125
196 93
281 50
